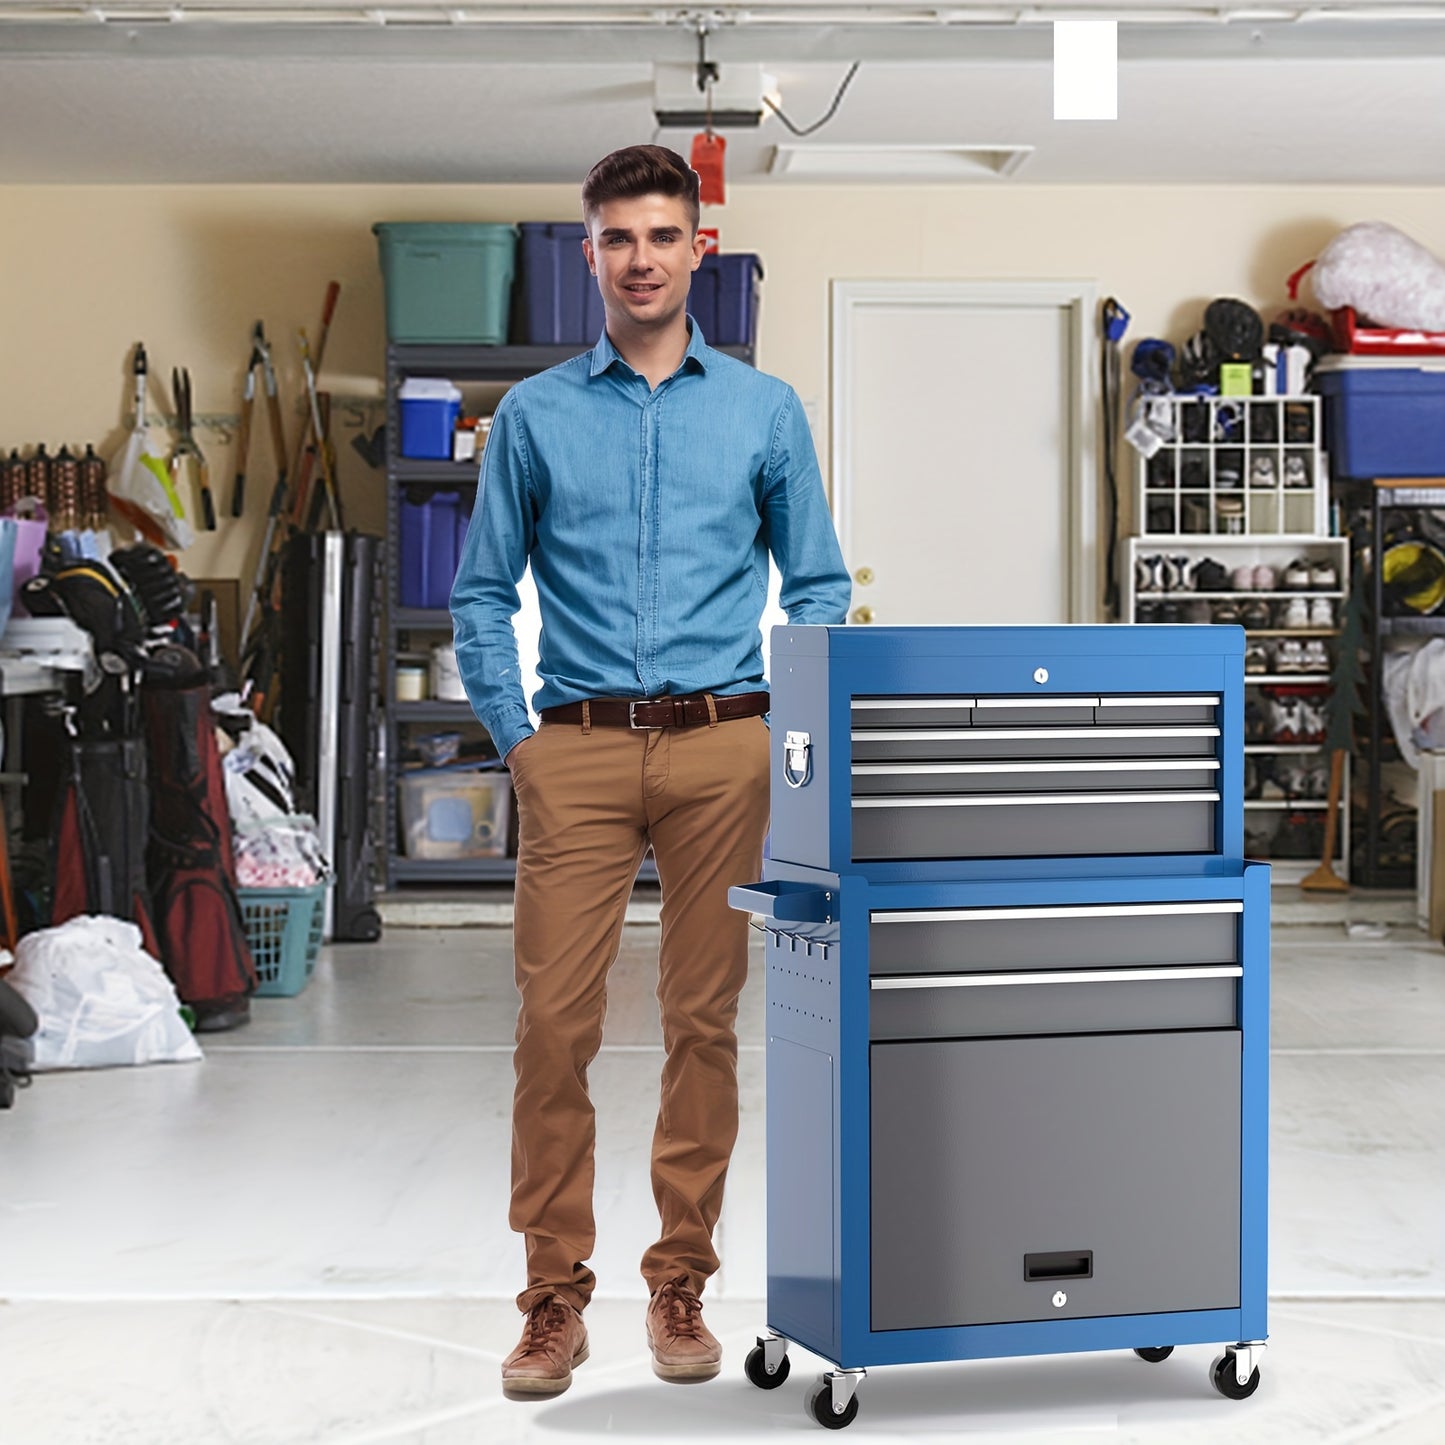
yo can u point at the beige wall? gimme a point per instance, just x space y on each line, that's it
87 271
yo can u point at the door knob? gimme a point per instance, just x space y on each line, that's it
863 614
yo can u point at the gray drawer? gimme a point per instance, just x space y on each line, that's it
912 712
1050 776
1177 709
1041 826
1065 1001
1041 712
950 744
991 940
1118 1150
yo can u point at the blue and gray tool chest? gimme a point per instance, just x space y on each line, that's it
1017 1001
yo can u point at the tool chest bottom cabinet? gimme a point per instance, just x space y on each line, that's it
1013 1118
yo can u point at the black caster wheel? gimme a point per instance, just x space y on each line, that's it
820 1407
757 1369
1224 1379
1154 1354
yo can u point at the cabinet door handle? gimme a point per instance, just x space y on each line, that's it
1053 976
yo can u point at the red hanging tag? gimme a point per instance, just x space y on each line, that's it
707 161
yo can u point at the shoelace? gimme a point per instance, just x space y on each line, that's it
547 1319
684 1310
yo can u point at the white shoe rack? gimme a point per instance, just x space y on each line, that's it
1264 816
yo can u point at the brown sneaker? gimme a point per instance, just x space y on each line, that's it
554 1339
683 1348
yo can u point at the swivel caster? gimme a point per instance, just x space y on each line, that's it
833 1401
1224 1373
767 1364
1154 1354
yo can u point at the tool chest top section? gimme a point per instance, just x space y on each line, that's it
945 751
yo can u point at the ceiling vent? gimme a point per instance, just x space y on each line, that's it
897 162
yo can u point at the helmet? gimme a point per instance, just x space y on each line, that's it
1235 328
1414 576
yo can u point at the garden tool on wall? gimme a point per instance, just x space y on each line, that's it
260 357
186 448
140 484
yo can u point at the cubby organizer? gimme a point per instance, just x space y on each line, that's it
1236 466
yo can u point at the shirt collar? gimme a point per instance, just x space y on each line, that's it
695 357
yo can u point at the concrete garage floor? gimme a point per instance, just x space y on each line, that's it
303 1238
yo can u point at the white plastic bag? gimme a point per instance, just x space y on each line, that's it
101 998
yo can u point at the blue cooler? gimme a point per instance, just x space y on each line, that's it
430 407
1384 415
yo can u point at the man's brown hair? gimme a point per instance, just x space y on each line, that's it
640 171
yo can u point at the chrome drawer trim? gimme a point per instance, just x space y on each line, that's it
1025 800
1103 765
892 702
1030 702
1079 975
925 735
1082 910
1174 700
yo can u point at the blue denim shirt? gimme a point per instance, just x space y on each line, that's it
647 516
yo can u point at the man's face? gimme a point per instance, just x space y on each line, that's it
643 253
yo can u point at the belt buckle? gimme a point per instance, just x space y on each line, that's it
632 716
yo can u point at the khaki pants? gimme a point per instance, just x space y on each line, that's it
589 802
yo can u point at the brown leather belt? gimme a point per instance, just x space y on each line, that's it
660 712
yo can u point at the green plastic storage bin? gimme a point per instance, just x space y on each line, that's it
447 281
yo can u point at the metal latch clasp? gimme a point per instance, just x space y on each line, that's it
798 759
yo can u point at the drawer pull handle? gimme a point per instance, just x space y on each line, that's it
1174 701
927 735
891 703
1086 910
1057 975
1026 800
1110 765
1059 1264
1033 702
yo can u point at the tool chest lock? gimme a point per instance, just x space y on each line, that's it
1017 1001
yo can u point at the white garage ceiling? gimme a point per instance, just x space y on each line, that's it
326 93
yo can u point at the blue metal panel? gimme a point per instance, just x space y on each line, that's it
1254 1140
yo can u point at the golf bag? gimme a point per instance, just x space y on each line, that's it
192 867
101 835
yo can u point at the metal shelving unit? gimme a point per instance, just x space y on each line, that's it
490 365
1388 496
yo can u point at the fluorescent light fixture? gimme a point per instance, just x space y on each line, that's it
1086 70
897 162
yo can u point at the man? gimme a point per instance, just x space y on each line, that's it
646 481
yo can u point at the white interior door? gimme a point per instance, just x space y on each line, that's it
962 450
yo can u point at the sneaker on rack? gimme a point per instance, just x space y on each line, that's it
1324 577
1226 612
1149 573
1316 656
1296 471
1198 611
1266 579
1179 574
1296 577
1255 615
1273 776
1295 613
1312 720
1256 658
1211 576
1284 719
1146 610
1289 655
1242 579
1322 613
1256 716
1171 612
1262 471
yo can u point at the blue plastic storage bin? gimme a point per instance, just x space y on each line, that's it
725 297
560 302
429 536
1384 421
447 281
